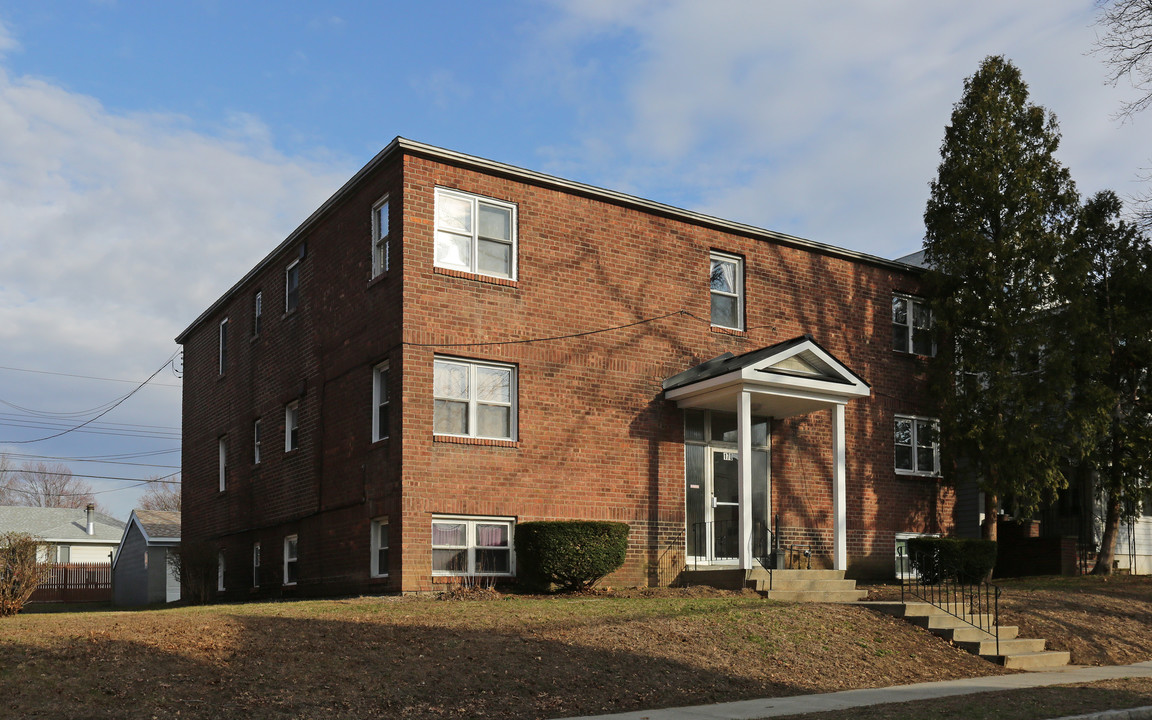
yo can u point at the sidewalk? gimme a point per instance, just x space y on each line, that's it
798 704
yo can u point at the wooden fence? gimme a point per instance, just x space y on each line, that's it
75 583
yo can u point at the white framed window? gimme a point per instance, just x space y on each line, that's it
256 442
380 402
223 354
472 546
380 231
474 399
380 547
904 569
292 426
726 284
255 565
912 326
475 234
220 571
222 461
290 560
917 445
64 555
292 286
257 313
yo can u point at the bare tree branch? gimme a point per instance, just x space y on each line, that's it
161 496
1127 48
41 484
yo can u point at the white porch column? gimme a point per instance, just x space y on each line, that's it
839 483
744 450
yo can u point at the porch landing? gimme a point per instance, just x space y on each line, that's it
828 586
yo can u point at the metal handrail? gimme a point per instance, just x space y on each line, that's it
964 601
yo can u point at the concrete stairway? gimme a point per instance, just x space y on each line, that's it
1013 651
784 585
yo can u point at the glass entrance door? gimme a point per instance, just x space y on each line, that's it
725 506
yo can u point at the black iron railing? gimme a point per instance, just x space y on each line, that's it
975 603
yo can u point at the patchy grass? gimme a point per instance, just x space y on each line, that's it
511 656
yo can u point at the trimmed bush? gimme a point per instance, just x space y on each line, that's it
573 554
964 560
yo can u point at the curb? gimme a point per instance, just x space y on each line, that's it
1137 713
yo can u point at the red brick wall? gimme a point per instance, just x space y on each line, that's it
596 438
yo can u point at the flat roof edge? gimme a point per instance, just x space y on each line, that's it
401 144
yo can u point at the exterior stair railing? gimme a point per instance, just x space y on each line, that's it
976 604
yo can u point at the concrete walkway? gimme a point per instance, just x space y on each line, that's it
799 704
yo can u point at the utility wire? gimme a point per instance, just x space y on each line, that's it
161 479
105 412
88 377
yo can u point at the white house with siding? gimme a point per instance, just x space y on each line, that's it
66 535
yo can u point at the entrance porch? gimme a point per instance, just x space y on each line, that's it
729 404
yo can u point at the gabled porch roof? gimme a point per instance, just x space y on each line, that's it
794 377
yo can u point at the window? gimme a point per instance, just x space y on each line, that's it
917 449
257 313
255 565
380 238
380 402
292 286
64 554
475 234
220 571
911 326
290 559
222 461
471 546
904 569
380 547
256 442
291 426
474 399
223 344
726 282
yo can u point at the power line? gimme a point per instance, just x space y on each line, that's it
160 479
102 414
89 377
23 456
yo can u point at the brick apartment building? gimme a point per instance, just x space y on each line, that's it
451 345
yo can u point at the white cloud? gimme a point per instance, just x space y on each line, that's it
818 120
7 41
116 231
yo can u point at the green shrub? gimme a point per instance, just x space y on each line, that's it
964 560
573 554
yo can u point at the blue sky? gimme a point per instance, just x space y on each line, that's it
150 153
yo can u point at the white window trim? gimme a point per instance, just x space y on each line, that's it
378 524
471 521
909 328
379 388
294 265
222 354
256 565
256 441
513 393
257 313
291 422
380 242
475 201
903 573
739 294
935 472
222 461
294 559
220 571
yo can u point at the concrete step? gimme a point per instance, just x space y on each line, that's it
1016 646
923 609
970 634
802 584
941 622
760 573
1045 660
822 596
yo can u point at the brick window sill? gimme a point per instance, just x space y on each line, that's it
475 276
475 441
729 331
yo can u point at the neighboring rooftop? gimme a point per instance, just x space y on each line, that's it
159 524
60 524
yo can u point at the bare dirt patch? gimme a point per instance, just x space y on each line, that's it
504 656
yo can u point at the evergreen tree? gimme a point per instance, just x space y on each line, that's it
1110 295
997 225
